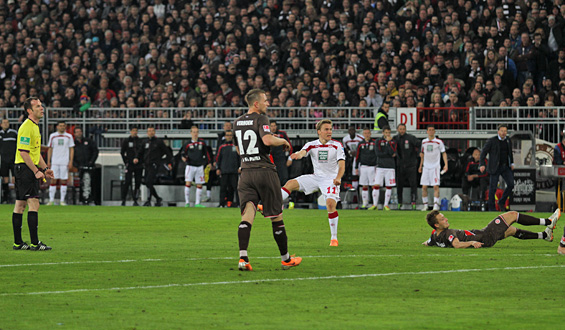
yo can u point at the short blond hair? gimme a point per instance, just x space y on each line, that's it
322 122
252 96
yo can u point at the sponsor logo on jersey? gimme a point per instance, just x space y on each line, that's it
323 155
266 128
60 142
497 221
24 140
450 238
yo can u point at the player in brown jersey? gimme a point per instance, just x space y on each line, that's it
498 229
259 179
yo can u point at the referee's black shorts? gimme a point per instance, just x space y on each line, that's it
27 186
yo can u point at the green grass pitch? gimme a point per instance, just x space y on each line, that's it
176 268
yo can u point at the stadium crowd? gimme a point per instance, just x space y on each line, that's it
313 53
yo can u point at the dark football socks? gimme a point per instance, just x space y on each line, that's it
17 220
279 233
32 223
524 234
528 220
243 234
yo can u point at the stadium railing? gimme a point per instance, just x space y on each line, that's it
108 126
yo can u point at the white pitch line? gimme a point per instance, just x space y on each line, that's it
333 277
235 258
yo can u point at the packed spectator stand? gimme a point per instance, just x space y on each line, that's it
92 55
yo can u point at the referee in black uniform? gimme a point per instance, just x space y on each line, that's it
8 138
152 154
30 168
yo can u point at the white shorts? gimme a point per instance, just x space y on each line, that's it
194 174
60 172
430 177
310 183
353 164
366 175
386 176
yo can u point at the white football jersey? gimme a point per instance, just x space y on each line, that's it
352 143
432 152
61 143
325 157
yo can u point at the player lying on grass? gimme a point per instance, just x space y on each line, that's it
498 229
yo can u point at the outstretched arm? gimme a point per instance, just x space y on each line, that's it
462 245
298 155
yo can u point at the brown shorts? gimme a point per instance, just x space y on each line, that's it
494 231
261 184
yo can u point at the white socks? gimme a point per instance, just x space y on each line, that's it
187 194
52 191
198 193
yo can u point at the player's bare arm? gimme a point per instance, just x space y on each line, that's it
341 171
273 141
299 155
71 157
421 162
444 155
49 155
463 245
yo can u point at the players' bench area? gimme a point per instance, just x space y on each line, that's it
109 126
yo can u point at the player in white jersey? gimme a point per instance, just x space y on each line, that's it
350 143
328 159
60 160
430 163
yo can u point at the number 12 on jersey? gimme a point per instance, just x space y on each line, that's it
250 136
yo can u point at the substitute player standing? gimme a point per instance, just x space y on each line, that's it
386 172
259 180
430 163
350 143
366 161
60 159
29 169
196 156
328 159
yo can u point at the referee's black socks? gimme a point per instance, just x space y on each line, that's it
17 219
32 222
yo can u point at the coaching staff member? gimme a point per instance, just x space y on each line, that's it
259 179
501 162
152 153
131 149
8 138
29 168
407 164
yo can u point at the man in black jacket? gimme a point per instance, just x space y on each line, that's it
152 154
386 153
500 163
227 164
407 165
8 137
131 149
86 153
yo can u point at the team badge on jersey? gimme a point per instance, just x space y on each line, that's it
266 128
497 221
